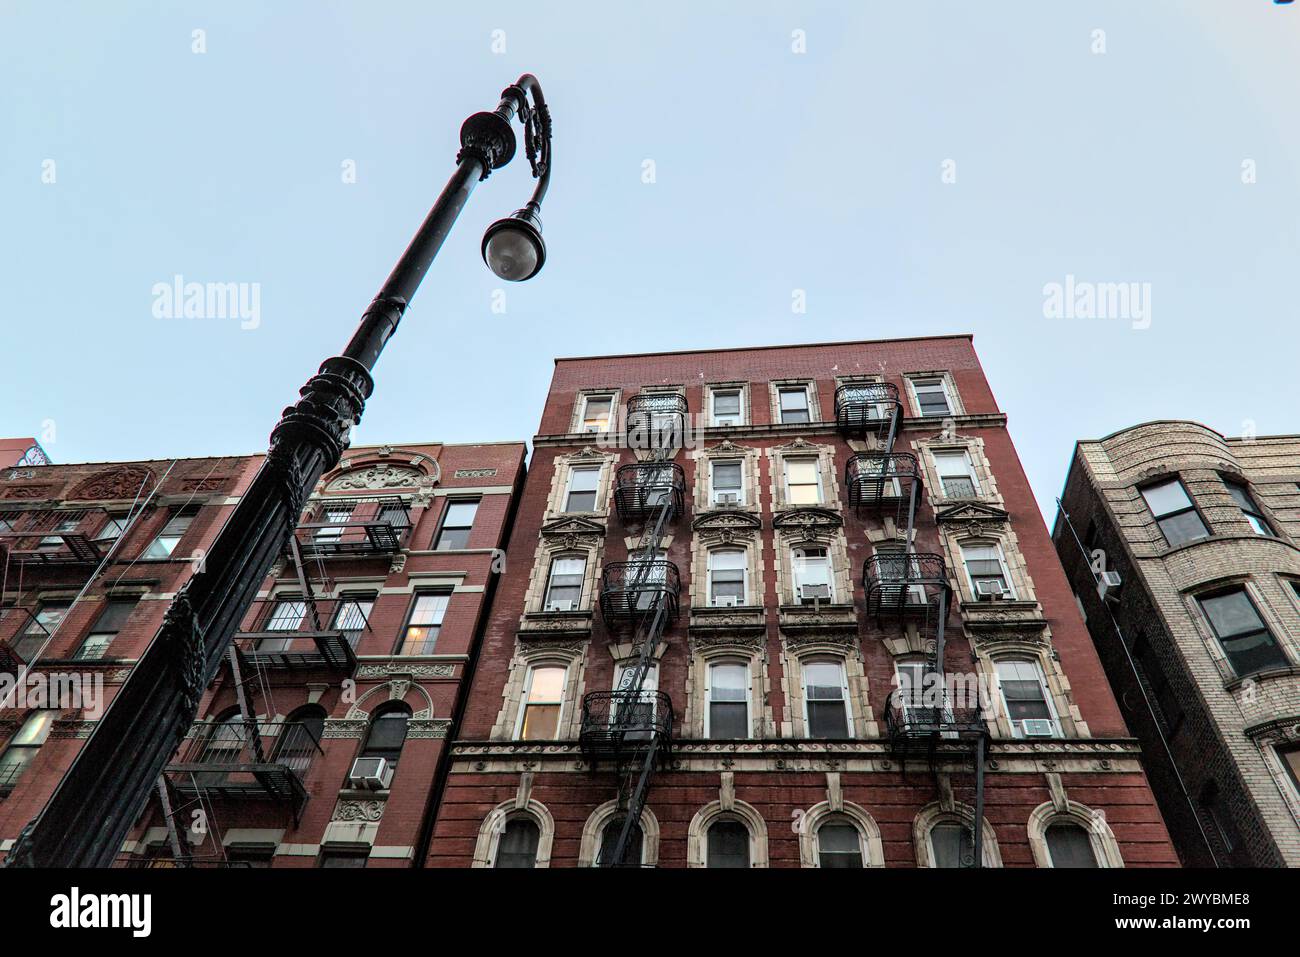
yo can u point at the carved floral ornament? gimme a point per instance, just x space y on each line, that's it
382 476
127 481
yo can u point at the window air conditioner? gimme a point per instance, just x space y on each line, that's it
372 774
726 601
1107 583
990 590
558 604
728 498
816 592
1037 727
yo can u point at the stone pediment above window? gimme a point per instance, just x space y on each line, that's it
799 446
731 621
808 520
727 449
588 453
971 517
554 625
727 520
1004 620
819 619
574 527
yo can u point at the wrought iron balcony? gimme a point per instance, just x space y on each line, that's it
53 536
631 590
881 478
352 527
916 721
867 408
642 487
656 420
620 723
233 761
901 585
281 634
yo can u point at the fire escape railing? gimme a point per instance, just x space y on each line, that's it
21 637
350 527
53 536
642 487
302 633
868 408
656 420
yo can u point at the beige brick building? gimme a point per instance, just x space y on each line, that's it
1181 546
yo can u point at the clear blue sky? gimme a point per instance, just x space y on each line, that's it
775 171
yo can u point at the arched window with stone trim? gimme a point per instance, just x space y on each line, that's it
734 837
839 835
945 837
1066 833
515 837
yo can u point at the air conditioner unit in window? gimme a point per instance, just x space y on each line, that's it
726 601
372 774
728 499
815 592
990 589
1107 583
560 604
1037 727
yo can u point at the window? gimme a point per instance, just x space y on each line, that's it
632 854
1241 495
111 530
66 526
727 481
956 475
352 617
826 699
170 536
839 845
394 515
23 747
543 701
932 396
727 715
457 521
107 625
726 577
640 718
725 407
794 404
581 494
597 411
1244 637
1174 512
1068 845
1290 758
1025 698
287 616
802 482
334 858
40 628
728 845
988 578
299 740
564 587
952 844
518 844
811 567
387 735
421 634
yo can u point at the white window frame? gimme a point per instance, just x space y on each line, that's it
744 666
533 668
714 392
942 385
844 690
550 579
568 489
1002 561
797 579
1042 686
744 572
841 820
742 491
803 387
586 403
936 455
816 463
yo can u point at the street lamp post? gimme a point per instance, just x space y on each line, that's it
86 820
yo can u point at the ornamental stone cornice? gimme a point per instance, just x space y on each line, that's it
1282 730
707 620
821 622
807 520
701 642
971 518
989 619
727 520
572 530
387 671
535 626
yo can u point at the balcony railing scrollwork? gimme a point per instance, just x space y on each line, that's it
901 584
631 590
641 487
867 408
879 478
618 723
656 420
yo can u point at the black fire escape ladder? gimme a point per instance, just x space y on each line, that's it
176 838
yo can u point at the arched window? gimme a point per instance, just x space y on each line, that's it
1069 845
387 734
728 844
952 844
539 718
299 741
518 845
564 586
727 690
23 747
839 844
727 577
826 699
632 854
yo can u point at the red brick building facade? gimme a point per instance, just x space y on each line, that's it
797 606
356 648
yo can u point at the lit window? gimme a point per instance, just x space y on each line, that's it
518 845
728 845
794 404
23 746
952 845
826 699
802 482
1241 495
581 494
564 588
956 475
839 845
728 696
543 700
457 522
725 409
1025 697
726 577
1068 845
421 634
988 577
1174 512
728 483
812 575
932 396
1244 637
597 411
107 626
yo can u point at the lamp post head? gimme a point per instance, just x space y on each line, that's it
513 248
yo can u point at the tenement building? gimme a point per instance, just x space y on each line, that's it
1181 547
789 606
321 741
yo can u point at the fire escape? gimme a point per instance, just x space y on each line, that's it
631 727
63 536
904 587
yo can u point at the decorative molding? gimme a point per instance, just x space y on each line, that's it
386 671
428 728
553 624
123 482
365 811
819 619
380 476
345 728
706 620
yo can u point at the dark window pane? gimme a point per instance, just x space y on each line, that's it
728 719
387 735
1070 846
838 845
518 845
952 845
1186 527
342 859
728 845
826 719
609 843
452 538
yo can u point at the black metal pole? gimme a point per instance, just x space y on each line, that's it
103 793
